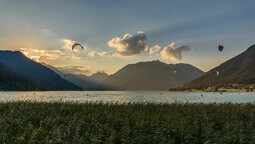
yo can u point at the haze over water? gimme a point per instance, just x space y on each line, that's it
129 96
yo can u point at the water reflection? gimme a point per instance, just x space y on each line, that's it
128 96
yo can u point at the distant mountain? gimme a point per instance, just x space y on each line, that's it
240 69
80 80
154 75
40 75
55 70
86 82
9 80
98 77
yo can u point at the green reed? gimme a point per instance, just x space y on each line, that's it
34 122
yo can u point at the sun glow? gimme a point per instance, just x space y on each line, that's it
32 54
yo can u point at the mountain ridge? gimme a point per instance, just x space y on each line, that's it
150 75
239 69
39 74
9 80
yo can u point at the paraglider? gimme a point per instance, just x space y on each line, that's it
174 71
216 72
220 48
76 44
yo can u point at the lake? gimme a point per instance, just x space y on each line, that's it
129 96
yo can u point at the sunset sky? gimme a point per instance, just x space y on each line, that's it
115 33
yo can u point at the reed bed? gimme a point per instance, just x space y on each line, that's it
38 122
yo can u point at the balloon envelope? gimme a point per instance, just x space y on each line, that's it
220 47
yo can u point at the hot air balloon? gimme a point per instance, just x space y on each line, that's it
220 48
76 44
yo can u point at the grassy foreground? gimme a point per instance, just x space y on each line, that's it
24 122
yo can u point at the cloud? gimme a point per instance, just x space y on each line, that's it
68 43
73 69
48 55
155 49
23 49
92 54
146 48
41 55
103 53
96 53
58 52
174 52
51 54
40 44
35 57
129 45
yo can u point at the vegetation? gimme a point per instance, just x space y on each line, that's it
27 122
248 87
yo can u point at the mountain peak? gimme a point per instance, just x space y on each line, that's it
153 62
12 52
182 64
239 69
156 61
99 77
39 74
99 73
9 51
150 75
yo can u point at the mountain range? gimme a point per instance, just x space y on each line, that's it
81 80
151 75
154 75
86 82
34 72
17 72
239 69
10 80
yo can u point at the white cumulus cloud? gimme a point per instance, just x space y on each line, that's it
68 43
174 52
96 53
129 45
73 69
155 49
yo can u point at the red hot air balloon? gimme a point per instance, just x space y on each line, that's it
221 47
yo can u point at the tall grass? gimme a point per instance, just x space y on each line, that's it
26 122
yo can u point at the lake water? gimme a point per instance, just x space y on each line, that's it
129 96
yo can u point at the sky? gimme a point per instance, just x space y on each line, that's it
115 33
